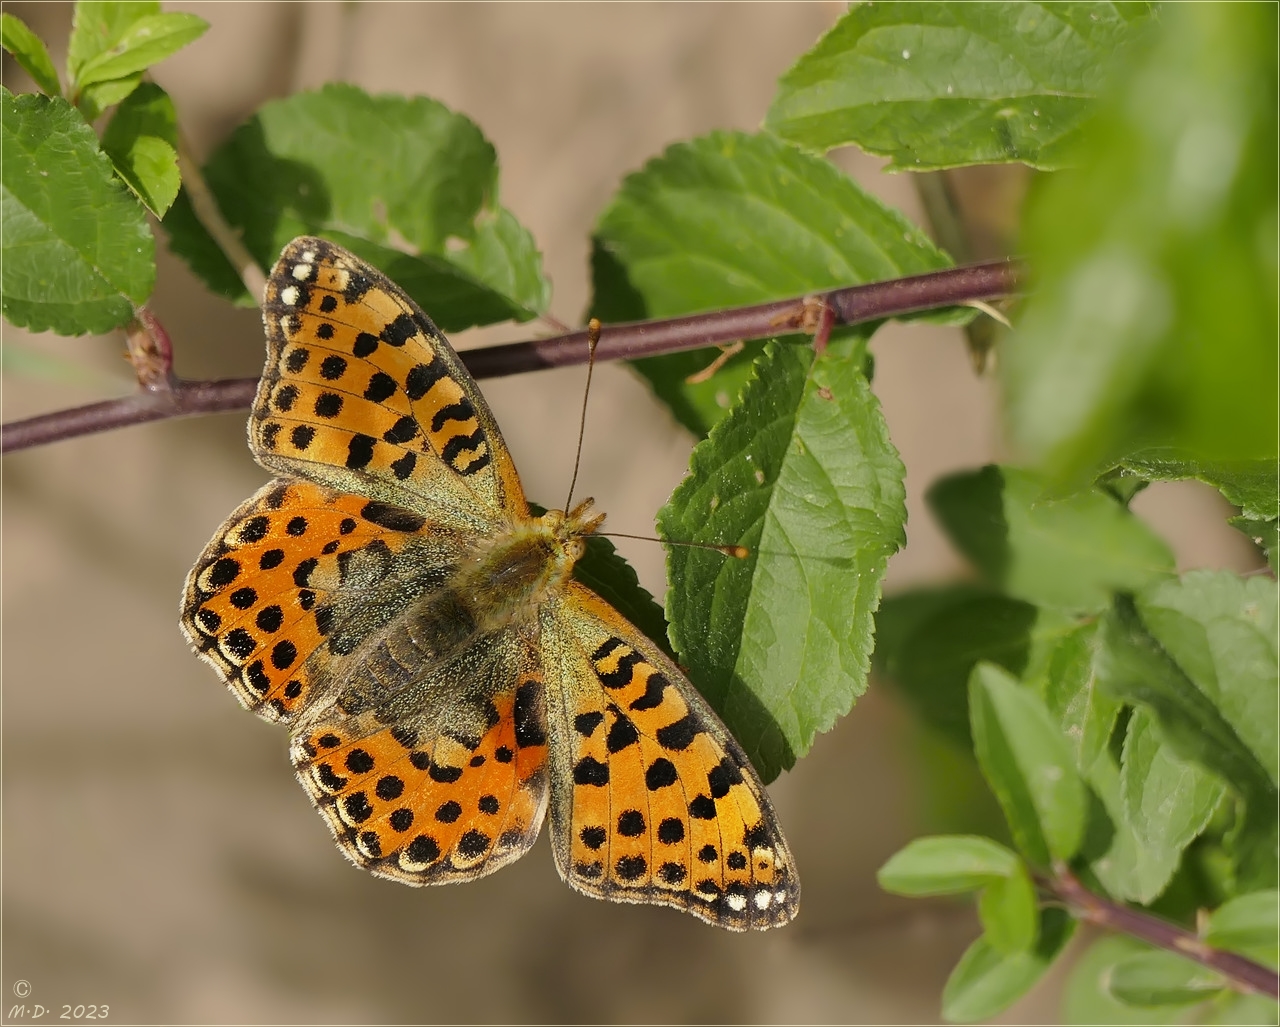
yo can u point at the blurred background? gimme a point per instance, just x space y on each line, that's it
158 855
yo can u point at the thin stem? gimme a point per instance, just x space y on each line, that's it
1244 974
848 306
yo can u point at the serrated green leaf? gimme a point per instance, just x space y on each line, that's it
1128 870
1123 345
1167 800
1248 924
731 219
1007 910
1221 630
29 51
1087 997
142 141
986 981
146 41
948 84
62 270
804 475
1069 553
946 865
382 175
1086 713
1251 485
1162 979
1028 764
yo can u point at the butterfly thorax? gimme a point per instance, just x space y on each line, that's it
512 574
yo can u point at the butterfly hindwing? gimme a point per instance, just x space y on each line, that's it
652 799
361 392
429 801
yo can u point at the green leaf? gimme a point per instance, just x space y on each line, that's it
1221 630
1265 534
1124 344
1248 924
1132 665
610 577
29 51
1028 764
1231 1007
1167 800
1162 979
147 41
946 865
1007 909
142 141
1249 484
804 475
1127 869
1087 997
403 182
96 27
986 981
948 84
1086 713
930 659
63 270
1069 553
95 99
731 219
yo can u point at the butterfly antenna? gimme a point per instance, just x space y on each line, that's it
737 552
593 340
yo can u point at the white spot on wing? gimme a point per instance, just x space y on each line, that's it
762 899
289 295
302 272
737 903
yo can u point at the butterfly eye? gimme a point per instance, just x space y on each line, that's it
574 549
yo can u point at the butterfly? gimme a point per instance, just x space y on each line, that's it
391 598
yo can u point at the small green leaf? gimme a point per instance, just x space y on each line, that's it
947 84
1162 979
97 98
1123 344
403 182
147 41
804 475
732 219
1087 997
29 51
1086 713
63 270
142 141
1028 764
1167 800
1248 924
946 865
1249 484
1069 553
1007 909
1265 534
986 981
1221 630
96 27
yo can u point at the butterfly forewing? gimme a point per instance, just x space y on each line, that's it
363 393
652 799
